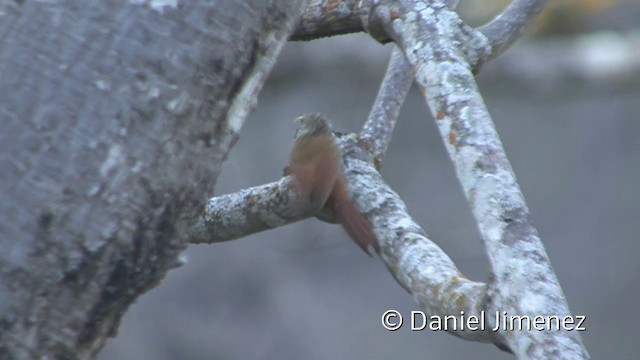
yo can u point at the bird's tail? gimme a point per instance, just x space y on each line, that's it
357 226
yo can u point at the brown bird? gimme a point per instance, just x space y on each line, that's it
315 165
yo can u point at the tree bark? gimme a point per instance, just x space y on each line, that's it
114 120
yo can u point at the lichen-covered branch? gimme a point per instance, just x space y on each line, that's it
378 129
265 207
507 27
417 263
443 52
334 17
324 18
524 283
327 18
249 211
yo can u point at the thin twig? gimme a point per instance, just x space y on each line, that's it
507 27
378 129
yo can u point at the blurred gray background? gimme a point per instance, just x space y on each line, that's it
566 107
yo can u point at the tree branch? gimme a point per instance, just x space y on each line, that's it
507 27
378 129
442 51
430 39
334 17
265 207
417 263
324 18
268 206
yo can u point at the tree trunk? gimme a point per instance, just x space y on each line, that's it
114 120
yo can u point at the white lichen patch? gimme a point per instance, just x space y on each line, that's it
114 158
179 104
157 5
487 209
466 160
102 85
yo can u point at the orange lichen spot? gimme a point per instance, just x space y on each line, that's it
440 115
273 190
331 5
393 14
452 137
436 290
253 199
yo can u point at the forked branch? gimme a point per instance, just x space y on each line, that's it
442 52
417 263
334 17
524 283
